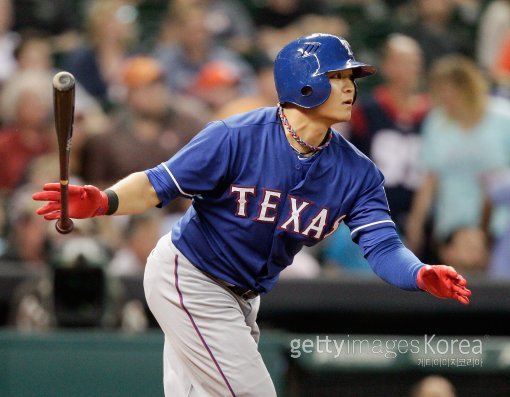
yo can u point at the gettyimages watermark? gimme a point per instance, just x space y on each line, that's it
426 351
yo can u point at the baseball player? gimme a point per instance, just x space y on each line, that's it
262 185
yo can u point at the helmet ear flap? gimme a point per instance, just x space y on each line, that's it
315 90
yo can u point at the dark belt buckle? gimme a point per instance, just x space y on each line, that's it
249 294
244 293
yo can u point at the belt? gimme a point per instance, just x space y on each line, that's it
243 293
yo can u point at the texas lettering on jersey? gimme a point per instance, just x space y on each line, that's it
268 211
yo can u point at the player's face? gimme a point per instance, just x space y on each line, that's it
338 106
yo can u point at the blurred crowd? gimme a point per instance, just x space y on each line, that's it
151 73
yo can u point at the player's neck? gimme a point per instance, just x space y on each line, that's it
309 130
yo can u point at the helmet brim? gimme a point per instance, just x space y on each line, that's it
360 69
365 71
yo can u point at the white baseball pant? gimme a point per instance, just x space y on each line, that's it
211 334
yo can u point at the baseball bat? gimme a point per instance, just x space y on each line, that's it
63 106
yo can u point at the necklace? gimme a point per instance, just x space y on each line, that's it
296 137
301 153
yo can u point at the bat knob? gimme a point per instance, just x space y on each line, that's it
63 81
64 226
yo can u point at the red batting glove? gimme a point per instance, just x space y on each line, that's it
84 201
443 282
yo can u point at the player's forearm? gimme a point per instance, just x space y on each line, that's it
135 194
394 263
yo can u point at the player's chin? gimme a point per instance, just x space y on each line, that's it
343 114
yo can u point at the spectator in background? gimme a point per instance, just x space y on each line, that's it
434 27
433 386
58 20
230 24
500 71
24 240
187 45
141 234
265 92
34 52
149 120
112 35
279 14
8 41
494 27
26 110
386 126
52 17
270 40
466 249
496 187
89 121
466 136
28 241
310 23
217 84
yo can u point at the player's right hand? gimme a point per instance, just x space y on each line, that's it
84 201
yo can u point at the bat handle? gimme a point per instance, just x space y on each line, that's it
64 224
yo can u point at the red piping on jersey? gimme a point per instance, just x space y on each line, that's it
181 300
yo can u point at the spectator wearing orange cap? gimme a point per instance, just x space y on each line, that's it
187 46
217 84
264 95
141 70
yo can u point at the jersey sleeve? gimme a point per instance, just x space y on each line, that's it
392 261
198 168
370 210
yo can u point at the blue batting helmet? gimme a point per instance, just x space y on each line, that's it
300 68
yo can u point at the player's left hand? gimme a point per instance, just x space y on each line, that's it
443 282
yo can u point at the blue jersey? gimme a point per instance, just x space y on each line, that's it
255 202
